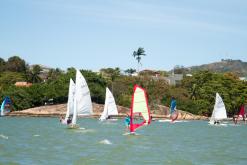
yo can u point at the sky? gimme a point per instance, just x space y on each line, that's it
95 34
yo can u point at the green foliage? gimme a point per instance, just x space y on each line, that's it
203 86
54 74
196 94
33 74
10 78
2 65
130 71
16 64
19 96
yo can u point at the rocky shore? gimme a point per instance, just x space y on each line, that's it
158 112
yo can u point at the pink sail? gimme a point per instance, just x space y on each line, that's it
139 107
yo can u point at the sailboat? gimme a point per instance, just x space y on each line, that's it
219 111
242 111
5 106
241 114
70 103
110 107
82 104
139 107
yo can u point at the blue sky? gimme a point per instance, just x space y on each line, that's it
95 34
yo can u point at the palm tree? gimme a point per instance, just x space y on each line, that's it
33 74
130 71
137 55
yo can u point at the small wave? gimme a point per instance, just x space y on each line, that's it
234 125
81 128
36 135
131 134
3 136
84 130
105 141
218 125
176 121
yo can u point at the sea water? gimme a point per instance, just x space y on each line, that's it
28 140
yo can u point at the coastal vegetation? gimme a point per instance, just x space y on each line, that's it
195 94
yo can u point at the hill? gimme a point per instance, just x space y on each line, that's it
225 65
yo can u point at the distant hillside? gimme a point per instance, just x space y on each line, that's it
236 66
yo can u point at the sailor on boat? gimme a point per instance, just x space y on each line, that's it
69 121
61 119
127 122
216 122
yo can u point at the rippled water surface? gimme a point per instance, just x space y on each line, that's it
26 140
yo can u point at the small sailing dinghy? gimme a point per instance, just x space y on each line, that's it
110 107
82 104
5 106
70 103
139 108
219 112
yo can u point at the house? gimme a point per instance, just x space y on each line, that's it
243 78
23 84
174 79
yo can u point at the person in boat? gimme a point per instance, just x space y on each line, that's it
61 119
173 110
127 122
69 121
235 116
216 122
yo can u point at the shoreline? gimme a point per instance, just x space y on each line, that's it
60 110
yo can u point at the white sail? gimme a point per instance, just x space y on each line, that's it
82 96
110 107
74 113
2 108
82 104
219 111
70 103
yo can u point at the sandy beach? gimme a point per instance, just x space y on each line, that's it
161 112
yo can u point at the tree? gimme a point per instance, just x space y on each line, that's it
16 64
111 74
180 70
53 74
137 55
130 71
10 78
33 74
2 64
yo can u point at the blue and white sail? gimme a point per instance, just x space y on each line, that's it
5 107
110 107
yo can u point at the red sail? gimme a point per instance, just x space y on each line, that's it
241 112
139 107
